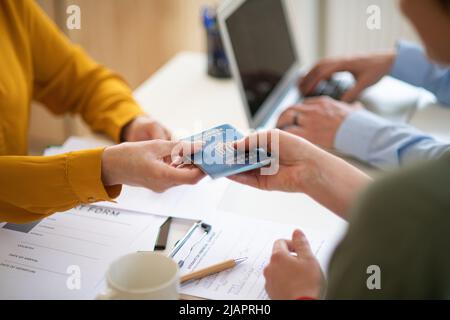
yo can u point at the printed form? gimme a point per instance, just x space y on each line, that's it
234 236
66 255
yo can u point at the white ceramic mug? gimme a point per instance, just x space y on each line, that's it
142 276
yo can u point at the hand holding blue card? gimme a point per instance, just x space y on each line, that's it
219 158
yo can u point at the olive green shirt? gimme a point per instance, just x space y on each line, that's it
401 225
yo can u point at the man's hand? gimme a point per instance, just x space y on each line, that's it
293 271
150 164
366 69
298 162
316 120
144 128
303 167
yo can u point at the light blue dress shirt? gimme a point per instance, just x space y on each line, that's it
383 143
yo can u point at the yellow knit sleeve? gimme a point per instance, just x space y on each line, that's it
34 187
66 79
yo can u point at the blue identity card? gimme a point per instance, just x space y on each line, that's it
219 158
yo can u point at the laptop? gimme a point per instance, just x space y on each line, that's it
264 61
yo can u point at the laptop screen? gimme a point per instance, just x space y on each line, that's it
262 46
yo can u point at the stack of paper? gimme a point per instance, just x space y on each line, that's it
66 255
233 236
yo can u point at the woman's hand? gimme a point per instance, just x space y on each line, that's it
144 128
303 167
149 164
293 271
367 70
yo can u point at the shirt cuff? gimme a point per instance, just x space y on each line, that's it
411 64
355 134
84 174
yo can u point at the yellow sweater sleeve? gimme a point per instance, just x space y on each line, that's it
33 187
66 79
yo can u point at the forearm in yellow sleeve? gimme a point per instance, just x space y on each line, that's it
34 187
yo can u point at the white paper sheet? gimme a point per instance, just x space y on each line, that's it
234 236
186 202
39 260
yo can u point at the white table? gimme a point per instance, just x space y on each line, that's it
183 97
